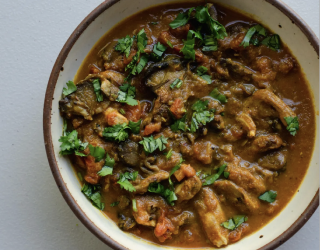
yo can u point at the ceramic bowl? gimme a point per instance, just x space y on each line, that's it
273 14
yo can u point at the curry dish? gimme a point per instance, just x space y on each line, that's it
189 126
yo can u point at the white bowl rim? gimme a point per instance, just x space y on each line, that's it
286 10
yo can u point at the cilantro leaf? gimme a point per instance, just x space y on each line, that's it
170 44
220 97
212 178
226 174
176 83
179 125
292 124
272 42
122 111
188 47
142 40
126 94
71 87
196 34
201 71
97 89
269 196
248 38
166 193
181 20
124 180
114 204
234 222
108 166
135 126
210 43
169 154
199 118
116 133
97 152
200 105
71 144
93 194
135 66
159 49
150 144
134 205
217 29
65 127
124 45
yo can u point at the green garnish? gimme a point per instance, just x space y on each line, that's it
150 144
212 178
201 71
124 45
97 89
218 96
71 87
174 170
126 95
248 38
159 49
142 40
181 20
226 174
292 124
170 44
179 125
169 154
116 133
108 166
80 176
114 204
122 111
71 144
92 192
97 152
134 205
166 193
272 42
124 180
188 47
210 43
201 116
135 126
234 222
269 196
176 83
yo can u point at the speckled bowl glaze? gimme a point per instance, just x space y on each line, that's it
273 14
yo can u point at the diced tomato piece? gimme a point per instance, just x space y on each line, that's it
177 108
151 128
133 113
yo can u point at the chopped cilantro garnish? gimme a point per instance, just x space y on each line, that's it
150 144
174 170
97 152
108 166
116 133
159 49
210 43
124 45
188 47
218 96
124 180
292 124
234 222
142 40
181 20
135 126
226 174
134 205
248 38
196 34
166 193
122 111
92 193
71 87
273 42
201 116
179 125
127 94
170 44
71 144
269 196
199 105
97 89
176 83
212 178
114 204
169 154
201 71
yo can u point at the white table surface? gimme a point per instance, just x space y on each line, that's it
33 214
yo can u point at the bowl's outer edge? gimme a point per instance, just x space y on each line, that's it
48 138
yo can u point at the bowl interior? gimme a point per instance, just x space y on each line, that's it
289 33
